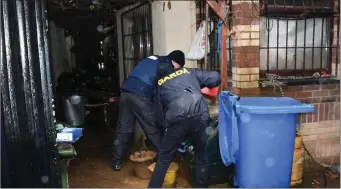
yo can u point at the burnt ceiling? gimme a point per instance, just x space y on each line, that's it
88 5
63 10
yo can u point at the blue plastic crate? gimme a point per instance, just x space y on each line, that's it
69 135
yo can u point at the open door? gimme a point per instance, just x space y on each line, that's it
136 35
28 127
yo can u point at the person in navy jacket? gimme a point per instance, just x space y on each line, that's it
185 117
136 104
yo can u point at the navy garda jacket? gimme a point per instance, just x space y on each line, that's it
179 94
141 80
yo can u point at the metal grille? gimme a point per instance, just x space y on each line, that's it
298 43
213 56
136 35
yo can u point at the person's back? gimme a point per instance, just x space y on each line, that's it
181 96
141 80
185 117
136 103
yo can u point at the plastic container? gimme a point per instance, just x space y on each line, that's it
142 161
74 110
219 174
210 94
297 166
170 178
257 134
298 162
69 135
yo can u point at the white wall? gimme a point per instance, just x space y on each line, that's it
175 28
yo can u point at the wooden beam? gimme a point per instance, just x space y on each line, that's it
221 11
218 9
223 59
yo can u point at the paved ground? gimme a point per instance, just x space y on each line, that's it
92 167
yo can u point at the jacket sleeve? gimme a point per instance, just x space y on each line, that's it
207 79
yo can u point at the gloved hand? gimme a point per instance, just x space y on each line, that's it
182 147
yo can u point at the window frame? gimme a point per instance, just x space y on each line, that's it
271 11
267 6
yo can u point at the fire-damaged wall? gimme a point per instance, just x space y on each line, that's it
26 90
290 42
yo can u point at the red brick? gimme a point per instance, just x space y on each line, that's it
331 115
311 87
246 92
246 64
253 56
337 111
329 99
309 100
321 111
328 86
320 93
294 88
289 94
241 21
245 50
237 14
326 111
335 92
315 114
303 118
309 117
235 56
303 94
242 6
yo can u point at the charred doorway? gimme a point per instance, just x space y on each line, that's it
136 25
84 47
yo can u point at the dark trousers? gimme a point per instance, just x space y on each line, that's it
193 130
134 107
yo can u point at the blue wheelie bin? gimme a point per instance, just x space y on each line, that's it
257 134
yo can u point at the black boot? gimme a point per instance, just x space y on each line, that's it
120 149
117 165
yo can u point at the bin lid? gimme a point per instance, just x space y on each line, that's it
272 105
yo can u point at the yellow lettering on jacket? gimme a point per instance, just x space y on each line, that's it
173 75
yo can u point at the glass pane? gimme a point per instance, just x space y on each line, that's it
309 53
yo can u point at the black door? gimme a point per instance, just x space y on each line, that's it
28 127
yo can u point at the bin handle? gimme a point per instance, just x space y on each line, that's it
230 94
233 102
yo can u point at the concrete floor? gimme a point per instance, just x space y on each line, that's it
92 167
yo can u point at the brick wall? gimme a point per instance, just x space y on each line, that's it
245 45
320 130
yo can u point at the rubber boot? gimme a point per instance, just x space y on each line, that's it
120 148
